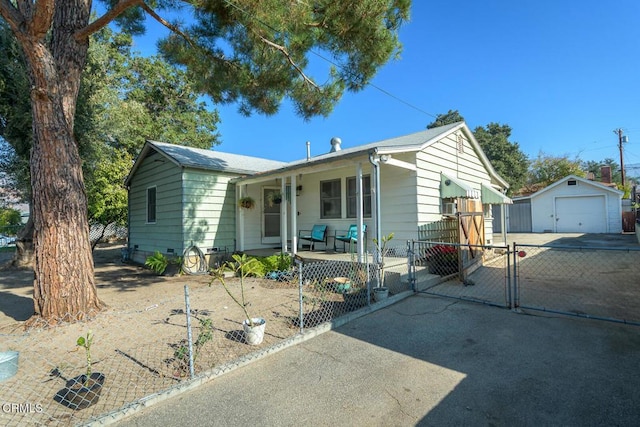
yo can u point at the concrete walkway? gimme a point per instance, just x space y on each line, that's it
429 361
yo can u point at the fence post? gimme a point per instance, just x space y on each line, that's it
189 335
300 296
509 284
411 264
516 298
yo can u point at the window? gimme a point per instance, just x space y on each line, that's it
151 204
330 199
352 196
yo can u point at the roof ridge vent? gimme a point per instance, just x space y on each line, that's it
335 144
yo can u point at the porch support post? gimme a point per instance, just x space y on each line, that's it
360 211
375 199
283 214
294 216
240 228
503 220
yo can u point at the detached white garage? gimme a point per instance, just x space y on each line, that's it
576 205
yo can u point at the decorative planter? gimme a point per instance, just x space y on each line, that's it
341 284
78 395
8 364
247 202
253 335
380 293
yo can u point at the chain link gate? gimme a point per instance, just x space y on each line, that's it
478 273
593 282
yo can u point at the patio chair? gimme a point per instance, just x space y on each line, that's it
350 236
317 234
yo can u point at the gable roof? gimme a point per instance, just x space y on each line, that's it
248 167
408 143
577 178
198 158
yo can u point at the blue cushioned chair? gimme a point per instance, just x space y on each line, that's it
317 234
350 236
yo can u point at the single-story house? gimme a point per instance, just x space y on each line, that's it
569 205
180 196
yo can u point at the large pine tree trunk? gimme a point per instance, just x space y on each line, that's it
64 284
64 287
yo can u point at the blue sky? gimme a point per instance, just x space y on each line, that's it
563 74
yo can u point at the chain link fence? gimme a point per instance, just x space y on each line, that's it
160 341
587 281
149 346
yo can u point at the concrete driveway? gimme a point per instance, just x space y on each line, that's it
626 240
429 361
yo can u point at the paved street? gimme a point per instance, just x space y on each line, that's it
429 361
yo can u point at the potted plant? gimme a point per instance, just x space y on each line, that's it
353 288
246 202
274 198
84 390
243 266
381 292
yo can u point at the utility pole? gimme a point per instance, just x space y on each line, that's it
621 139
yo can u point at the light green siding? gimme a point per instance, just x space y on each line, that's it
209 210
193 207
166 232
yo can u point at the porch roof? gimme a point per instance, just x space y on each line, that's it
491 196
403 144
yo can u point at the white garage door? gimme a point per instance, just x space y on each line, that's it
586 214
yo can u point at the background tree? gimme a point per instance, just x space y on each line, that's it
595 167
547 169
505 156
118 109
451 116
253 53
9 218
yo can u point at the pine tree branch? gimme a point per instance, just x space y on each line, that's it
283 50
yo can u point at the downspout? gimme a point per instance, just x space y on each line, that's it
373 159
294 215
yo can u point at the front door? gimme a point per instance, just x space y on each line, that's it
270 217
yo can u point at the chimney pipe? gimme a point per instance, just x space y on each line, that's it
335 144
308 150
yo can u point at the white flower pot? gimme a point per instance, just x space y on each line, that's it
253 335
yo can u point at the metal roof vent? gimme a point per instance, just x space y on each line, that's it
335 144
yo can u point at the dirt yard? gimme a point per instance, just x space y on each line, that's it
136 337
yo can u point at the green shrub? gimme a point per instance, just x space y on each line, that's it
157 262
279 262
